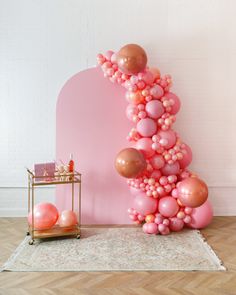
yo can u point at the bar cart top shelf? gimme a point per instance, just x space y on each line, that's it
64 178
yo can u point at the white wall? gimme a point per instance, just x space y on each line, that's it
43 43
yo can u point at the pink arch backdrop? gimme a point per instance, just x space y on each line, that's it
91 123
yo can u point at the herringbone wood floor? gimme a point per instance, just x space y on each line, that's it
220 235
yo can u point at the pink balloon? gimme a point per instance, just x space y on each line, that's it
176 224
145 205
150 228
157 161
147 77
201 216
67 218
134 191
168 206
171 169
145 146
175 108
131 110
155 109
187 157
169 136
157 91
147 127
156 174
45 216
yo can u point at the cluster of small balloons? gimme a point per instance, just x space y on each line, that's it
167 196
46 216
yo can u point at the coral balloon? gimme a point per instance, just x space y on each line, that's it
145 205
155 72
67 218
135 97
192 192
176 106
147 127
155 109
171 169
168 206
201 216
150 228
168 137
131 59
145 146
187 157
130 163
45 216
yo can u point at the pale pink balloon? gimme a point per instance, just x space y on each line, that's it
134 191
156 174
67 218
45 216
168 206
131 110
147 77
187 157
174 108
169 136
201 216
147 127
157 91
176 224
145 146
150 228
155 109
171 169
157 161
145 205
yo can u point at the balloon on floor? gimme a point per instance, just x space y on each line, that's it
167 196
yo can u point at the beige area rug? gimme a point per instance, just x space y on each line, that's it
117 249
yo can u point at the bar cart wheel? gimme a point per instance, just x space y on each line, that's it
31 242
78 236
27 233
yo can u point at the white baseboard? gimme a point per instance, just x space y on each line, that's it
13 201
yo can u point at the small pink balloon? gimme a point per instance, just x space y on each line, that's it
145 146
201 216
174 108
150 228
145 205
169 136
155 109
156 174
171 169
131 110
147 127
168 206
157 91
67 218
45 216
187 157
176 224
157 161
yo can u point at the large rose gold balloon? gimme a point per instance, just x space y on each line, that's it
131 59
192 192
130 163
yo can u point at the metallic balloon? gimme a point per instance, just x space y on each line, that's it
192 192
131 59
130 163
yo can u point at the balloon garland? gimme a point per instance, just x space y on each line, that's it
167 196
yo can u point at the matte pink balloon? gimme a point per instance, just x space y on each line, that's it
157 161
171 169
131 110
169 136
187 157
155 109
168 206
45 216
201 216
145 146
175 108
150 228
176 224
145 205
156 174
157 91
147 127
67 218
134 191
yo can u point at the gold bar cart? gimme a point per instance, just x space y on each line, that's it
55 231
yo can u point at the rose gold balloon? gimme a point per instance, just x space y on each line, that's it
130 163
192 192
131 59
67 218
135 97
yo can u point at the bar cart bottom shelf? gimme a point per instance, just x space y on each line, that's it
55 231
